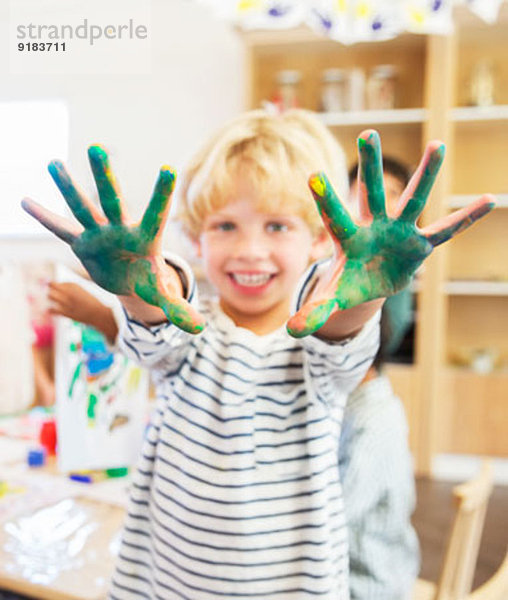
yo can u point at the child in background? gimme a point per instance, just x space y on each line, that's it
16 362
374 459
37 277
237 492
377 478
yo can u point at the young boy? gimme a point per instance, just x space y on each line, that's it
237 493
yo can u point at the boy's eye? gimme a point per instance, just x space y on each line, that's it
276 226
225 226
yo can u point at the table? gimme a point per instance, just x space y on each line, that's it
58 538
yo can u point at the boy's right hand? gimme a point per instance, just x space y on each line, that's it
122 257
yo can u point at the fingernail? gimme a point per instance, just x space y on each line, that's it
55 166
167 173
317 184
97 152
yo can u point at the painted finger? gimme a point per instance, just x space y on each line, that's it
107 186
311 317
83 209
414 197
184 316
335 217
178 311
370 175
63 228
157 210
446 228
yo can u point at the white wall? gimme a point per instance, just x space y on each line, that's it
197 83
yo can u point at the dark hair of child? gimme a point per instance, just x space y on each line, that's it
391 165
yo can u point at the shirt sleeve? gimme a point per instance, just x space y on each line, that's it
379 496
161 346
336 368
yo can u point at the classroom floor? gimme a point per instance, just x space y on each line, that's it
432 519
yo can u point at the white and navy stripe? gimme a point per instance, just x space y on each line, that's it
237 494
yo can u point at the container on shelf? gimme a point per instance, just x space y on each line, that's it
287 94
334 90
483 361
382 88
356 89
481 84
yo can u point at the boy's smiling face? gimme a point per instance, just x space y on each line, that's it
255 259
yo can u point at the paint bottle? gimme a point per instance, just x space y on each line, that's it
287 93
36 457
47 436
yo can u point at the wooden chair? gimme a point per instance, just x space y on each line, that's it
461 554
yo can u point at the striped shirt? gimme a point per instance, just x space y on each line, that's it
237 492
379 494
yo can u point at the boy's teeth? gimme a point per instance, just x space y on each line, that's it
252 280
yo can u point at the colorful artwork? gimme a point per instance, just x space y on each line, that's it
101 395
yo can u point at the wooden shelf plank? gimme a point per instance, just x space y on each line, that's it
479 113
374 117
461 200
476 288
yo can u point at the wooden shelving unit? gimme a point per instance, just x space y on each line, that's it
462 294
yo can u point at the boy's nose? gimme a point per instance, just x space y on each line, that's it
251 247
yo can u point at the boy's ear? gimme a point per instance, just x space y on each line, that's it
321 246
196 246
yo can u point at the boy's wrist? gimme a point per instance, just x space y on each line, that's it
348 323
175 276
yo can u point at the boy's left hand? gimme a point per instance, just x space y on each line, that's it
377 256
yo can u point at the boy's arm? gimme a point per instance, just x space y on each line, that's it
72 301
377 256
123 258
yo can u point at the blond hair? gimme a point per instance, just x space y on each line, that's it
276 154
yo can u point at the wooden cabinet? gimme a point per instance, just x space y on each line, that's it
462 302
476 284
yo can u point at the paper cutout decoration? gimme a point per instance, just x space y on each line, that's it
351 21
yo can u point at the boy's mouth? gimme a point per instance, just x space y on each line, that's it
251 280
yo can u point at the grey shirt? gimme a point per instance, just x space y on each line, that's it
379 494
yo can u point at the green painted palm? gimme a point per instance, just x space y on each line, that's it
121 256
377 256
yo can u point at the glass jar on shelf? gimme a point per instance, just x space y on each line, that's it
481 84
382 88
287 93
333 90
356 89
